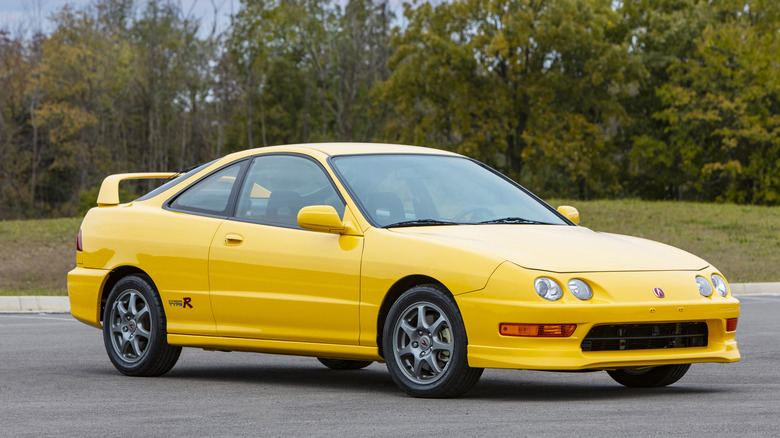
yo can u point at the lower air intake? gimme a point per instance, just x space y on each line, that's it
645 336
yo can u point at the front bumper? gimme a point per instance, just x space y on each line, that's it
509 298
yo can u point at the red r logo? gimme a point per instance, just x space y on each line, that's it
186 303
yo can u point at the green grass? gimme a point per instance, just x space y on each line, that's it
32 292
36 255
742 241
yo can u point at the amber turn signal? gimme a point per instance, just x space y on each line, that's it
537 330
731 324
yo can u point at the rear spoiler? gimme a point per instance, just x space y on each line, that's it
109 190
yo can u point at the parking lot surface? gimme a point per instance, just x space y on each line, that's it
56 380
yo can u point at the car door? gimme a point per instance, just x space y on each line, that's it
181 237
269 278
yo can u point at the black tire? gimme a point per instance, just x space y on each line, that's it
134 329
424 344
344 365
654 377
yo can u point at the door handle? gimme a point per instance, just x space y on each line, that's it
233 239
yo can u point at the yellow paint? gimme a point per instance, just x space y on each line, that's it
109 190
322 218
318 291
571 213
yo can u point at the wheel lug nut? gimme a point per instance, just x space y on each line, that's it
124 329
415 344
419 332
422 354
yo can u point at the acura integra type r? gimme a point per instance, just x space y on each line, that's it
423 259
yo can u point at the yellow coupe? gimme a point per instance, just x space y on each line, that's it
423 259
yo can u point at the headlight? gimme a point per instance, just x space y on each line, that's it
548 289
720 285
705 289
580 289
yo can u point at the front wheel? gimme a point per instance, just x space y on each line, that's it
134 330
424 344
654 377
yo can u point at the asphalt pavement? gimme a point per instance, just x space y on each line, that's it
56 380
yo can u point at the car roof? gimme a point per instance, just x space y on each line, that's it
344 148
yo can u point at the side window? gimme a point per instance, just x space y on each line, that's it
210 195
276 187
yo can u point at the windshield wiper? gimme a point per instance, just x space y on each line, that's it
420 222
513 220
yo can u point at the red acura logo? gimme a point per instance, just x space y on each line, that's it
659 292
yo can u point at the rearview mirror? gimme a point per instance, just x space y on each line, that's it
323 218
570 213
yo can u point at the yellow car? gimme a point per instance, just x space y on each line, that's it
423 259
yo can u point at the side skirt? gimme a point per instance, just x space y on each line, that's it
336 351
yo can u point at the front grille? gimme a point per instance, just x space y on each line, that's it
645 336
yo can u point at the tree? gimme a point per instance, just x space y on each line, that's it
506 81
708 130
307 69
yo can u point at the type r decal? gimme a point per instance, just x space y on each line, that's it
184 303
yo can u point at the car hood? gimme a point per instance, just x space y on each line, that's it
562 248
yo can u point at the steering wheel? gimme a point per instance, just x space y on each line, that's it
474 214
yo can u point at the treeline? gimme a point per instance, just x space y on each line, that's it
658 99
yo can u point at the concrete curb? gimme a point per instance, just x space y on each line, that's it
34 304
62 304
738 289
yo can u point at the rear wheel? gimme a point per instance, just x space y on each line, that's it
134 329
649 377
424 344
344 365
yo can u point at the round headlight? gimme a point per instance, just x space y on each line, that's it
705 289
580 289
720 285
548 289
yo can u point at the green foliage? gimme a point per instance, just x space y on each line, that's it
306 68
532 88
720 110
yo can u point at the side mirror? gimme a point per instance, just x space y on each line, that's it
323 218
570 213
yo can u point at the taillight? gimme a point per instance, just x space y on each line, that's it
731 324
538 330
78 242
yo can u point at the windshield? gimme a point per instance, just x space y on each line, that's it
417 190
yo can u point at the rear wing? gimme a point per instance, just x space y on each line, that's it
109 190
